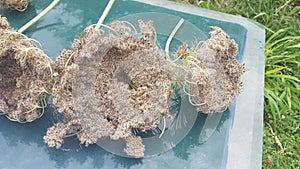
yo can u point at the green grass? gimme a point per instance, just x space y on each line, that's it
281 18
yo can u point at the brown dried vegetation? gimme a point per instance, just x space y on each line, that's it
3 22
213 77
131 86
20 5
25 75
110 84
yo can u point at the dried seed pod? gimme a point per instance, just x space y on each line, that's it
20 5
214 73
25 75
129 76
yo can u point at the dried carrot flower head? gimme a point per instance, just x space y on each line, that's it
25 75
213 77
111 85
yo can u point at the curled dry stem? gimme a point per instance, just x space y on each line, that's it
131 25
195 104
195 64
105 26
36 41
164 127
67 62
2 113
73 134
175 30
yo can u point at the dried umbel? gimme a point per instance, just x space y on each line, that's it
130 82
213 75
20 5
25 75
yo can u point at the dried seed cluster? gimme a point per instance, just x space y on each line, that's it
131 75
20 5
25 73
111 84
134 146
3 22
214 73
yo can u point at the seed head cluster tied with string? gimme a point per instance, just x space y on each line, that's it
114 81
131 86
131 83
212 78
25 75
20 5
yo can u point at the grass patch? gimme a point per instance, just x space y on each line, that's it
281 19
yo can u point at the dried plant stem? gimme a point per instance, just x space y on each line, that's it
130 24
104 14
51 70
178 58
32 109
69 59
38 17
12 119
73 134
195 104
164 128
175 30
193 58
195 64
17 33
37 42
2 113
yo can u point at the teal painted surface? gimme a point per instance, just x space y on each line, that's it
21 145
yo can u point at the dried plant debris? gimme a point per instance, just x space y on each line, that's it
131 85
25 73
4 24
134 146
20 5
213 76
